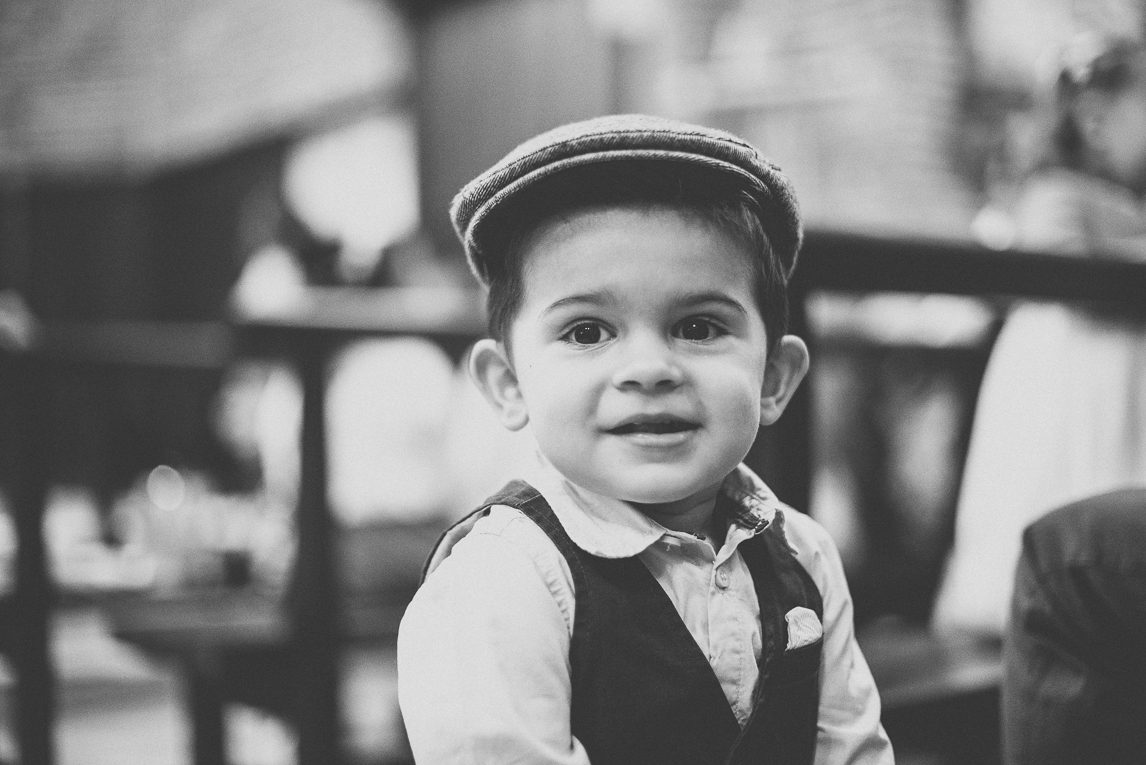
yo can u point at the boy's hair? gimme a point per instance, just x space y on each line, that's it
1090 63
689 190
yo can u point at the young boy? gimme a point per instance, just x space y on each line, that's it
641 597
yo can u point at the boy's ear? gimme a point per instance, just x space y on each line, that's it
492 372
787 365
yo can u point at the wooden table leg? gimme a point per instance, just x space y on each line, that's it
205 705
34 594
315 612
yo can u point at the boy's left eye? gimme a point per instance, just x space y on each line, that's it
697 329
587 333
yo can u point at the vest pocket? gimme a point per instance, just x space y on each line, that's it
789 709
797 665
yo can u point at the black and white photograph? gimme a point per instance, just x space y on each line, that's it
573 382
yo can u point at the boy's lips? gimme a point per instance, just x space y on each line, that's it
656 424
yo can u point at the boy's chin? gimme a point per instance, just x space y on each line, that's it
662 493
651 493
648 484
659 497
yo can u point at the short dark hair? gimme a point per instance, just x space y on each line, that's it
639 184
1109 65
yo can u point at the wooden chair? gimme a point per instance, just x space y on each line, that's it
282 656
940 692
24 614
27 360
250 638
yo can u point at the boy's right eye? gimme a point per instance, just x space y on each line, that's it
587 333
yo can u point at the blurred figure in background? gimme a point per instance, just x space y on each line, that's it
1074 688
1062 411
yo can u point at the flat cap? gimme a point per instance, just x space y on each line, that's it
621 139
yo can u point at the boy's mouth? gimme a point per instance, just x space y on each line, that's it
657 424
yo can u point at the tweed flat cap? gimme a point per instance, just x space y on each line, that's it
620 139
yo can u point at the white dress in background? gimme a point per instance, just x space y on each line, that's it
1062 408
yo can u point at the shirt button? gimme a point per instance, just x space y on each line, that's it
722 578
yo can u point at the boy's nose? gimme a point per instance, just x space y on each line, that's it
649 366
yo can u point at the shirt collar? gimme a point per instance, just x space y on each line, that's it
609 528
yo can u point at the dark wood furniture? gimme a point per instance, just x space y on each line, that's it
297 637
939 691
27 359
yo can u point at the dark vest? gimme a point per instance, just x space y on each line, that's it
644 692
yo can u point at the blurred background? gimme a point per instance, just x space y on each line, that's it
180 164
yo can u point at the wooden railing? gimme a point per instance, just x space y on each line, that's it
309 326
852 263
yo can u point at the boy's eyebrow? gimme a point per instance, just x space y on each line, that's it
597 298
605 297
715 297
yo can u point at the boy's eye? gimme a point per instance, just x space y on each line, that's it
587 333
697 329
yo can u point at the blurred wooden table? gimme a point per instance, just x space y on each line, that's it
237 646
307 327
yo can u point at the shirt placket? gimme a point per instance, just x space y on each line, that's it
728 649
728 621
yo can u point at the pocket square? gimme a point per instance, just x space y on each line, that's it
804 627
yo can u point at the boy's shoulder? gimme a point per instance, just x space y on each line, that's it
497 550
813 546
802 527
487 532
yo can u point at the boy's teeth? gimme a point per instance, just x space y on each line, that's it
651 427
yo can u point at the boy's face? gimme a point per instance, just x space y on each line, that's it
639 355
1125 128
1114 125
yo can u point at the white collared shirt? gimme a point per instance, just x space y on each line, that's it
483 650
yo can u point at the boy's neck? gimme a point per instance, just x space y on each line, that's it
694 515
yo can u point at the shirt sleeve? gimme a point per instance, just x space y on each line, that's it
849 731
1050 216
1072 214
483 662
